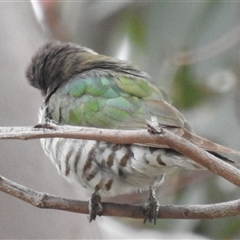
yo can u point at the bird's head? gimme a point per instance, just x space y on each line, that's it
56 62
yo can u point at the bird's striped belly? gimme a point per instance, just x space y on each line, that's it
110 168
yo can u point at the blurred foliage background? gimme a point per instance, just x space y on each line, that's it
191 49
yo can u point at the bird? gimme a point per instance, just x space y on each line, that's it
83 88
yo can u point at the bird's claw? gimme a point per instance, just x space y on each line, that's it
95 206
151 208
47 125
153 126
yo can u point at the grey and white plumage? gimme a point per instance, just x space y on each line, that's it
83 88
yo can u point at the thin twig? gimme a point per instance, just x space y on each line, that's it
164 138
210 50
43 200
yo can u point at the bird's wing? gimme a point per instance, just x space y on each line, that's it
122 102
111 102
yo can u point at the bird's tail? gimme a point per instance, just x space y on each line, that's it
203 142
225 153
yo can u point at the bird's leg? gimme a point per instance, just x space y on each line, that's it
151 207
95 206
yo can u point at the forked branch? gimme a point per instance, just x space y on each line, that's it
161 137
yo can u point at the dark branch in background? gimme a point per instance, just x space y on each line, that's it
162 137
210 50
43 200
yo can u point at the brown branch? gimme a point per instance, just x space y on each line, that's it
163 138
43 200
212 49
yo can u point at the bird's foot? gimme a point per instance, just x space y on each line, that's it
153 126
95 206
151 208
47 125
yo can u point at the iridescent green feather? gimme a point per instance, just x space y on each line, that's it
111 102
